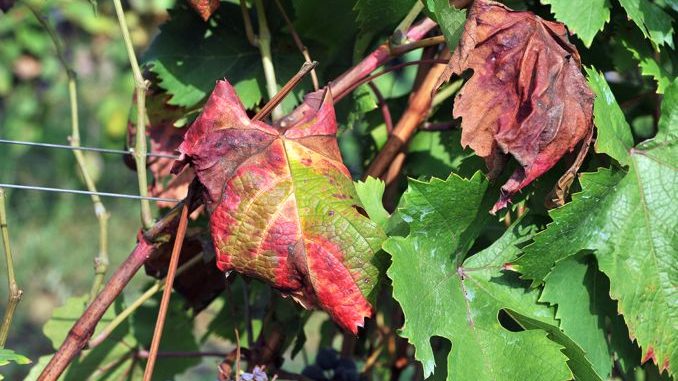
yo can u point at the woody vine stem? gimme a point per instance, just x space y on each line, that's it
14 290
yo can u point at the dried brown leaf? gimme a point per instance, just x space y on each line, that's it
527 96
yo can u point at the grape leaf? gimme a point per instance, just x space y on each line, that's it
311 22
641 52
580 292
443 295
376 15
283 207
652 21
190 55
630 221
164 138
614 133
527 96
370 193
450 19
205 8
583 17
8 355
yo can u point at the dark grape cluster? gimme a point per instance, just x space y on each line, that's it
330 367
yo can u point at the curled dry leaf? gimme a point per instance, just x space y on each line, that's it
164 138
282 205
527 96
205 8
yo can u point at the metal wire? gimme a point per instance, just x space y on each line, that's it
74 191
102 150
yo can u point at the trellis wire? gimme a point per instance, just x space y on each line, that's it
89 193
81 148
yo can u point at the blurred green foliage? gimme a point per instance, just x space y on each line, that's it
54 236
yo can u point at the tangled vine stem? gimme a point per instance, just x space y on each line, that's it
102 215
83 329
167 292
140 88
416 112
129 310
14 290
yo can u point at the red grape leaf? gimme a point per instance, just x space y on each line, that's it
527 96
205 8
282 205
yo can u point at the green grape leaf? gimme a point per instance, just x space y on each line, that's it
311 22
629 219
641 52
190 55
581 367
655 24
580 293
583 17
8 356
370 193
374 16
443 295
450 19
614 133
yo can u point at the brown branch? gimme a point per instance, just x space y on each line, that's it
360 82
289 86
377 58
167 292
353 77
84 328
145 354
416 113
430 41
385 112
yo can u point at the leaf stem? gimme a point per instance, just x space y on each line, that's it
167 292
400 33
289 86
264 43
385 111
426 42
101 260
447 92
249 31
14 291
140 88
